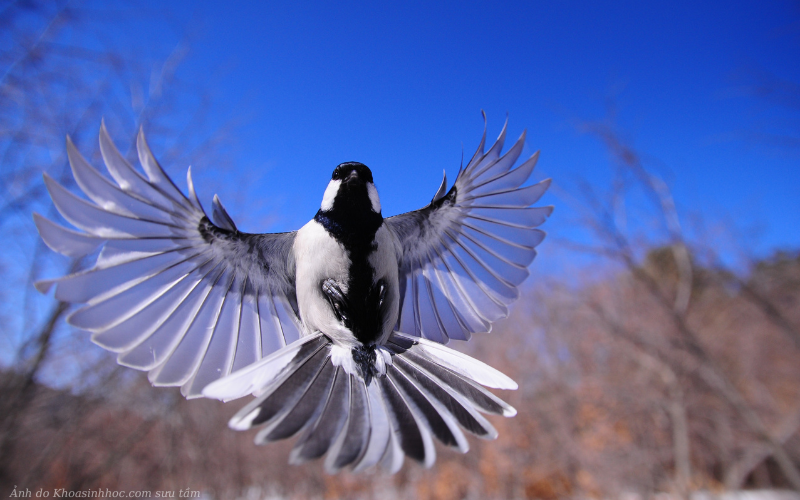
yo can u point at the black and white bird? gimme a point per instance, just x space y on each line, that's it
337 329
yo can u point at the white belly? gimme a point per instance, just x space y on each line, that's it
318 256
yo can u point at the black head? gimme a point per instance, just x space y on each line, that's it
352 171
351 205
351 190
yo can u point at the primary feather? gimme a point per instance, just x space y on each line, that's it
336 329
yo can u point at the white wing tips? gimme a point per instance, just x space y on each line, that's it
465 272
309 389
149 296
65 241
535 156
192 192
257 377
545 183
220 215
468 367
44 286
442 188
146 158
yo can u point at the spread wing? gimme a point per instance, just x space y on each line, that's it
463 256
171 292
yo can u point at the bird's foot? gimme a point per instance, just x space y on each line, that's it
337 300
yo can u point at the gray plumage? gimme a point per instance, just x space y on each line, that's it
223 314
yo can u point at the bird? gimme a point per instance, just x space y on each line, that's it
337 330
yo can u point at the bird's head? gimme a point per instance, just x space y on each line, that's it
351 190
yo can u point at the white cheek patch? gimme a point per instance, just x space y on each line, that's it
330 195
373 198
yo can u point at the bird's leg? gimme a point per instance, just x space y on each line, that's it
364 357
337 300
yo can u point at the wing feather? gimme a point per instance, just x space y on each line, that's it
129 179
187 341
108 196
65 241
269 322
248 347
100 222
470 248
170 292
102 314
202 313
504 180
218 357
127 332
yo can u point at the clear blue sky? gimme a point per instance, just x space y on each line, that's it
400 85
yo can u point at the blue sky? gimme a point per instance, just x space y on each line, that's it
399 86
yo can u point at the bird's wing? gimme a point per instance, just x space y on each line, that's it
171 292
463 256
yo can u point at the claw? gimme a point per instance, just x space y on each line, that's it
337 300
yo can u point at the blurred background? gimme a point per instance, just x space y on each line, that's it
657 341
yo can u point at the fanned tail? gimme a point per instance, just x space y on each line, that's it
416 390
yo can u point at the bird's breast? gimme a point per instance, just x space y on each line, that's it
357 270
318 256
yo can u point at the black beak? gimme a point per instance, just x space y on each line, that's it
352 177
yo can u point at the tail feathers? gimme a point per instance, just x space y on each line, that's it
353 439
316 391
453 360
259 377
318 438
380 432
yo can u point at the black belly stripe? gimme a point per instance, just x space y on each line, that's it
354 225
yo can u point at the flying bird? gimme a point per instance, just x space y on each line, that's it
337 329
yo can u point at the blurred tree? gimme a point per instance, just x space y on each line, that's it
665 305
63 66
